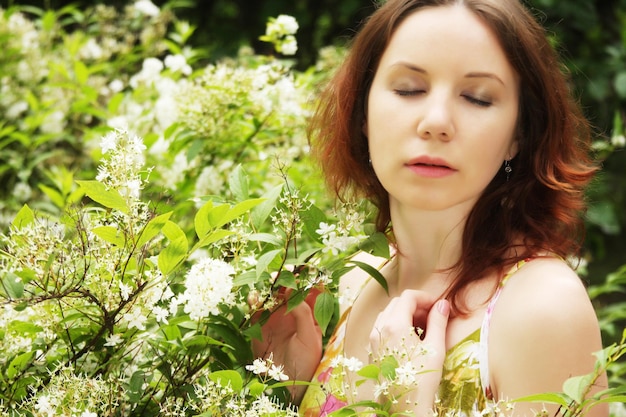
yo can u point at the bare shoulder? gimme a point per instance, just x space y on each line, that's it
543 330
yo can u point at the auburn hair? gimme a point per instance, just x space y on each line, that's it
540 205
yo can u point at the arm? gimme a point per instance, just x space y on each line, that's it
294 340
544 330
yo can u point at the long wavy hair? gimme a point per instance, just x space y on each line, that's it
542 203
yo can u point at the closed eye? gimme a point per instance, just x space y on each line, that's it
408 93
478 101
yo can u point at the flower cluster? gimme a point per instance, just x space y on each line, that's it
267 367
208 284
280 31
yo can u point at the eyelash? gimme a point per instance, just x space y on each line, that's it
477 101
473 100
408 93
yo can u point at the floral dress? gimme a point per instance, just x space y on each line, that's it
464 389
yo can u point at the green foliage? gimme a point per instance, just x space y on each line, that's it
129 168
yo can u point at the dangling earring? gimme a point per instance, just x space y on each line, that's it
507 168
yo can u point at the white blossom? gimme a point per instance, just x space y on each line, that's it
258 367
147 7
208 284
113 340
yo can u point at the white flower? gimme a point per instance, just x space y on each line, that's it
381 389
113 340
91 50
88 413
132 188
125 291
147 7
108 142
161 314
619 141
353 364
276 372
53 122
289 46
208 284
288 24
136 319
116 85
44 405
16 110
177 63
325 229
22 191
405 374
258 367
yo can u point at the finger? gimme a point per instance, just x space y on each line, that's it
308 331
436 327
311 297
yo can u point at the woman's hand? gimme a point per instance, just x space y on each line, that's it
415 309
294 340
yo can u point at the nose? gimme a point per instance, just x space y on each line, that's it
436 120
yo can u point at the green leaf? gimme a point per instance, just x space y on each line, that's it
295 298
238 183
154 226
24 327
286 279
176 251
620 84
13 285
324 309
245 278
81 72
108 198
266 238
261 212
312 218
576 387
254 332
19 363
613 399
110 234
370 371
201 220
212 238
256 388
54 196
388 367
265 260
373 272
550 397
376 244
227 378
23 218
237 211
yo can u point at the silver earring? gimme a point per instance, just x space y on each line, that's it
507 168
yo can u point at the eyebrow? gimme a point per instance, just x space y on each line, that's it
484 75
421 70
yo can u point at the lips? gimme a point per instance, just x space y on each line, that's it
425 166
430 162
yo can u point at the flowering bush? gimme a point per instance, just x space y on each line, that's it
152 210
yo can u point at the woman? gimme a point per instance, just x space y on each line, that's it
454 119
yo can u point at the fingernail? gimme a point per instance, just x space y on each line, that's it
444 307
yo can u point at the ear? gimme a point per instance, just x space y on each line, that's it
513 149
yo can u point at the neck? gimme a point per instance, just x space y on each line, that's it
429 243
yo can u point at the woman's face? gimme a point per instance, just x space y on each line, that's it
442 110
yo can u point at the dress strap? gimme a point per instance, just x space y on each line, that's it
484 330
